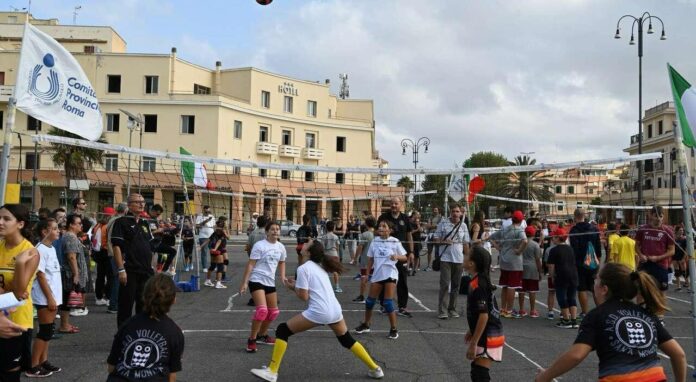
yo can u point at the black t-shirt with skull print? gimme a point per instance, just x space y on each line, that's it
145 349
626 338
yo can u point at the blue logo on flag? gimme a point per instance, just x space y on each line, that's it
50 94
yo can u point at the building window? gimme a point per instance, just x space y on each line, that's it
111 162
578 205
312 108
2 120
559 189
236 170
310 140
151 84
188 124
560 205
571 189
341 144
263 172
659 127
674 181
284 174
329 113
659 182
287 137
150 123
200 89
263 133
33 124
309 176
287 104
340 178
265 99
112 122
30 160
148 164
113 83
650 131
237 129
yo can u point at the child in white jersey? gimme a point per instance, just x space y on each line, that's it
313 286
259 278
46 294
383 254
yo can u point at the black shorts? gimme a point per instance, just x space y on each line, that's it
586 279
16 352
254 286
678 256
387 281
661 275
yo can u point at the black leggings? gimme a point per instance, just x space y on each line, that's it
102 287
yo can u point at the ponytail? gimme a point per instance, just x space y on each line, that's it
158 295
648 290
625 284
482 260
329 263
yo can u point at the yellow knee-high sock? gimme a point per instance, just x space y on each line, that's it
360 352
277 357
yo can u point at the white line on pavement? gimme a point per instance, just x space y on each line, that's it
412 297
302 310
680 300
525 357
230 302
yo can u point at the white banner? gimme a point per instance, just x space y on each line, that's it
52 87
457 188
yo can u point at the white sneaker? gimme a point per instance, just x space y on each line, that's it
79 312
208 283
266 374
102 302
376 373
219 285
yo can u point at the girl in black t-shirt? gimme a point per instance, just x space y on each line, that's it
485 336
630 353
149 346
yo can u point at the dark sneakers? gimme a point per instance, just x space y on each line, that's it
359 299
362 328
393 334
251 345
38 372
405 313
52 368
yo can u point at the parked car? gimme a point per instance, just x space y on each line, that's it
289 228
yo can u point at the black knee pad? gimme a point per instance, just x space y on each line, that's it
346 340
283 332
226 262
45 332
480 373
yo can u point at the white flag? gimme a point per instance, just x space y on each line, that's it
457 187
52 87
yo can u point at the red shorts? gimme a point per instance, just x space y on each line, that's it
510 279
550 282
529 285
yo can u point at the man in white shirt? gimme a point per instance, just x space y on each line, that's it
453 236
206 226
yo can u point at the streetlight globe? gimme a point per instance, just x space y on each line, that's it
650 30
617 35
632 42
663 36
403 151
426 148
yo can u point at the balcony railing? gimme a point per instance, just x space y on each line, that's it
290 151
310 153
266 148
5 92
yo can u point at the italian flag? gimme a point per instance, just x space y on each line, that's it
685 104
194 172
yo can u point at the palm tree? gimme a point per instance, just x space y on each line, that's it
76 160
533 185
406 183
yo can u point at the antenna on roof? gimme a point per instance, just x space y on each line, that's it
74 15
344 92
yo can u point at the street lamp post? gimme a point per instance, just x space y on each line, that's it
415 147
640 22
133 123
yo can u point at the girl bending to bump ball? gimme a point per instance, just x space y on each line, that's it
313 286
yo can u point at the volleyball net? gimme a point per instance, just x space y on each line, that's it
285 190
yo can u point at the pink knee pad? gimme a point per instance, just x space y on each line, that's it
272 314
261 313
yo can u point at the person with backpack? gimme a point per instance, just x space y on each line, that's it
587 246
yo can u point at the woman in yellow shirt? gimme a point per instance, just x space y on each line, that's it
18 263
623 249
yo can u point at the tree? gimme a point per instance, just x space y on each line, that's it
406 183
495 183
437 183
76 160
533 185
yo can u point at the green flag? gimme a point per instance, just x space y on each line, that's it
685 105
194 172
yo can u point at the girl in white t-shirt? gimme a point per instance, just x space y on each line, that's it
46 294
259 278
313 286
382 256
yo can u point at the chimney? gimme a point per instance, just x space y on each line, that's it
172 70
218 65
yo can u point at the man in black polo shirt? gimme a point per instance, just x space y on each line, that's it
130 239
402 231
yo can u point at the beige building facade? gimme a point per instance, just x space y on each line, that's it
246 114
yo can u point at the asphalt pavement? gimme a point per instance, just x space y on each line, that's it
216 326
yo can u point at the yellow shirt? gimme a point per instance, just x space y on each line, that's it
612 238
623 251
23 315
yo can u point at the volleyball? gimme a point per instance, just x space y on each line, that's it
264 2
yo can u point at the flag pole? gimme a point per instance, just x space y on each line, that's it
7 147
688 228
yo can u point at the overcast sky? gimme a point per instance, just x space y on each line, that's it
505 76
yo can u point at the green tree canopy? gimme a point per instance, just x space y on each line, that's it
74 159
